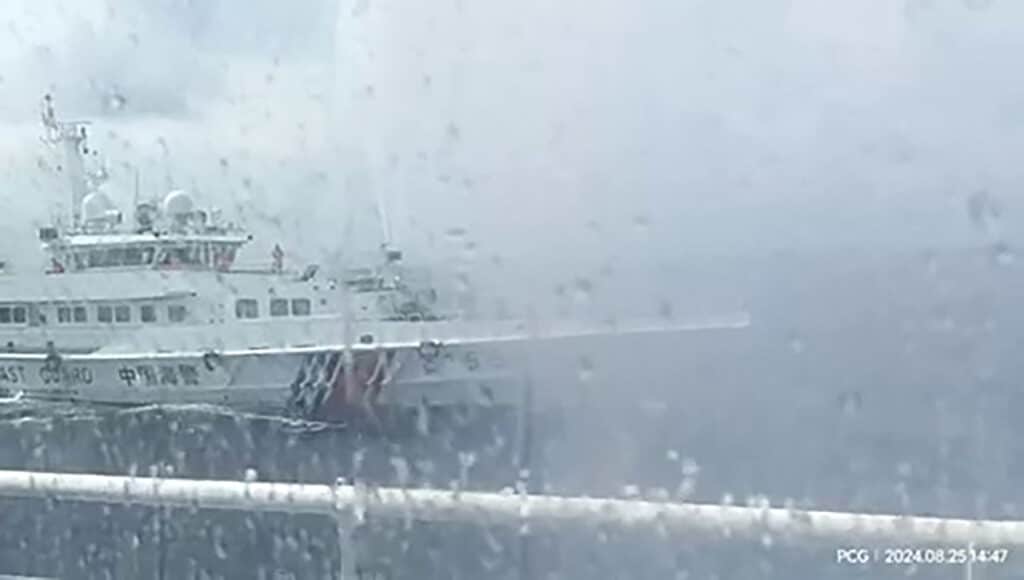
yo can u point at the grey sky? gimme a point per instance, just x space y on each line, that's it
726 125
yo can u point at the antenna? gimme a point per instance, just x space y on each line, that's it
135 196
72 136
382 217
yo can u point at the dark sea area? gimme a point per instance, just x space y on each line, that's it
868 381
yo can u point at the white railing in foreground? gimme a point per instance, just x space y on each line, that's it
498 508
349 503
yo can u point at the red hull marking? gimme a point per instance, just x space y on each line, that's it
344 398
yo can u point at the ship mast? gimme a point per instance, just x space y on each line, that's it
72 136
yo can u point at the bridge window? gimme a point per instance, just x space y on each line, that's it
222 256
300 307
247 308
278 307
20 315
176 313
96 259
79 314
138 256
122 313
147 313
114 257
105 314
182 256
63 314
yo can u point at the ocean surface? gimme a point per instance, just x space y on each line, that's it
875 382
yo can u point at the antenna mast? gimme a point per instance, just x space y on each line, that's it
382 216
72 136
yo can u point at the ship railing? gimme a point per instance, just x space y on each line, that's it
350 505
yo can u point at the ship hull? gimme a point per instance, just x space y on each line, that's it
311 383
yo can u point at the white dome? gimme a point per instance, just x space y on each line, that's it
96 205
178 203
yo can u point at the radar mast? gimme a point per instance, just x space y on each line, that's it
72 136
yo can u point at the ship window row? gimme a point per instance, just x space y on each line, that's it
190 255
250 308
119 314
104 313
13 315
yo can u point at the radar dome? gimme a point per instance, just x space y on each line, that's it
96 205
178 203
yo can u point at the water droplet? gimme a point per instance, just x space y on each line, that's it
469 252
983 210
219 545
630 490
905 469
672 455
423 420
659 494
978 5
361 7
850 403
583 288
455 233
796 344
931 263
914 9
361 503
358 459
586 369
641 222
665 309
251 475
759 501
115 102
462 283
402 471
1003 254
453 132
686 488
467 459
690 467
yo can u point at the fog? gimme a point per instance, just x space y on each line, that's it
727 126
846 171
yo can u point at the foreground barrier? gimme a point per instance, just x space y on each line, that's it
350 504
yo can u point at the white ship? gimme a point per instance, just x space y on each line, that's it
154 310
